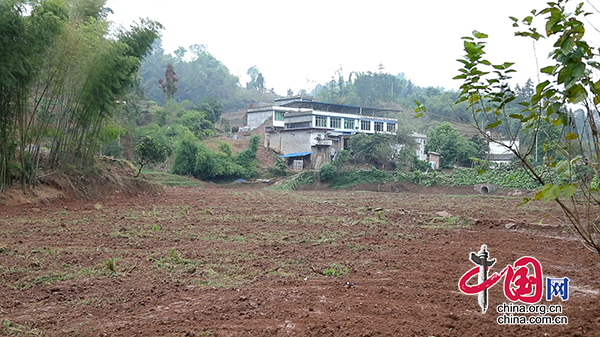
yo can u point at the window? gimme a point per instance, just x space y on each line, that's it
391 127
297 125
365 125
279 116
349 124
335 123
321 121
378 126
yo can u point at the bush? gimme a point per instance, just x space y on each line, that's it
247 158
422 178
353 178
186 150
216 166
193 158
280 168
326 172
150 151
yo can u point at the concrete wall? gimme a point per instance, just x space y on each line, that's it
256 119
295 141
320 156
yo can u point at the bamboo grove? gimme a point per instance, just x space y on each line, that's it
63 70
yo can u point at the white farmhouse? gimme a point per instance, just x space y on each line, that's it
311 133
501 153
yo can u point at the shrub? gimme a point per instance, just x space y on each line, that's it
326 172
280 168
150 151
353 178
186 150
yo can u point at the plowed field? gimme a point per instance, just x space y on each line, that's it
252 262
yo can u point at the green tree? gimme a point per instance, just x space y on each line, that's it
211 108
452 146
197 123
150 151
571 80
225 124
253 73
376 149
186 150
24 41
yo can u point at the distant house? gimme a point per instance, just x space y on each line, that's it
501 154
434 160
314 132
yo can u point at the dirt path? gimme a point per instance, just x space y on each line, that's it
251 262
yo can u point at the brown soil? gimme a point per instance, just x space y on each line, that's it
112 177
252 262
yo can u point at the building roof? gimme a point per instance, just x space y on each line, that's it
341 108
299 154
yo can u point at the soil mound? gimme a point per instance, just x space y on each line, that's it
109 177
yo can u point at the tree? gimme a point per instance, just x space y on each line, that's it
225 124
253 73
260 83
376 149
573 156
150 151
168 83
211 108
24 40
60 79
179 54
452 146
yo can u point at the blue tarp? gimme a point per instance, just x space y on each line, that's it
300 154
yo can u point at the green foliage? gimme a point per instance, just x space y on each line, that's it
184 161
292 183
375 149
60 78
211 108
280 168
545 115
247 158
452 146
150 151
202 79
353 178
337 270
326 172
420 165
505 176
197 123
422 178
216 166
225 124
193 158
168 179
342 157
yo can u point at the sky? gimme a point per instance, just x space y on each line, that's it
299 44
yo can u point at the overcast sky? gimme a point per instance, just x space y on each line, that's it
301 43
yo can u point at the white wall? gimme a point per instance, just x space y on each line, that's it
500 149
256 119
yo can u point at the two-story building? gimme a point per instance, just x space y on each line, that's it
314 132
